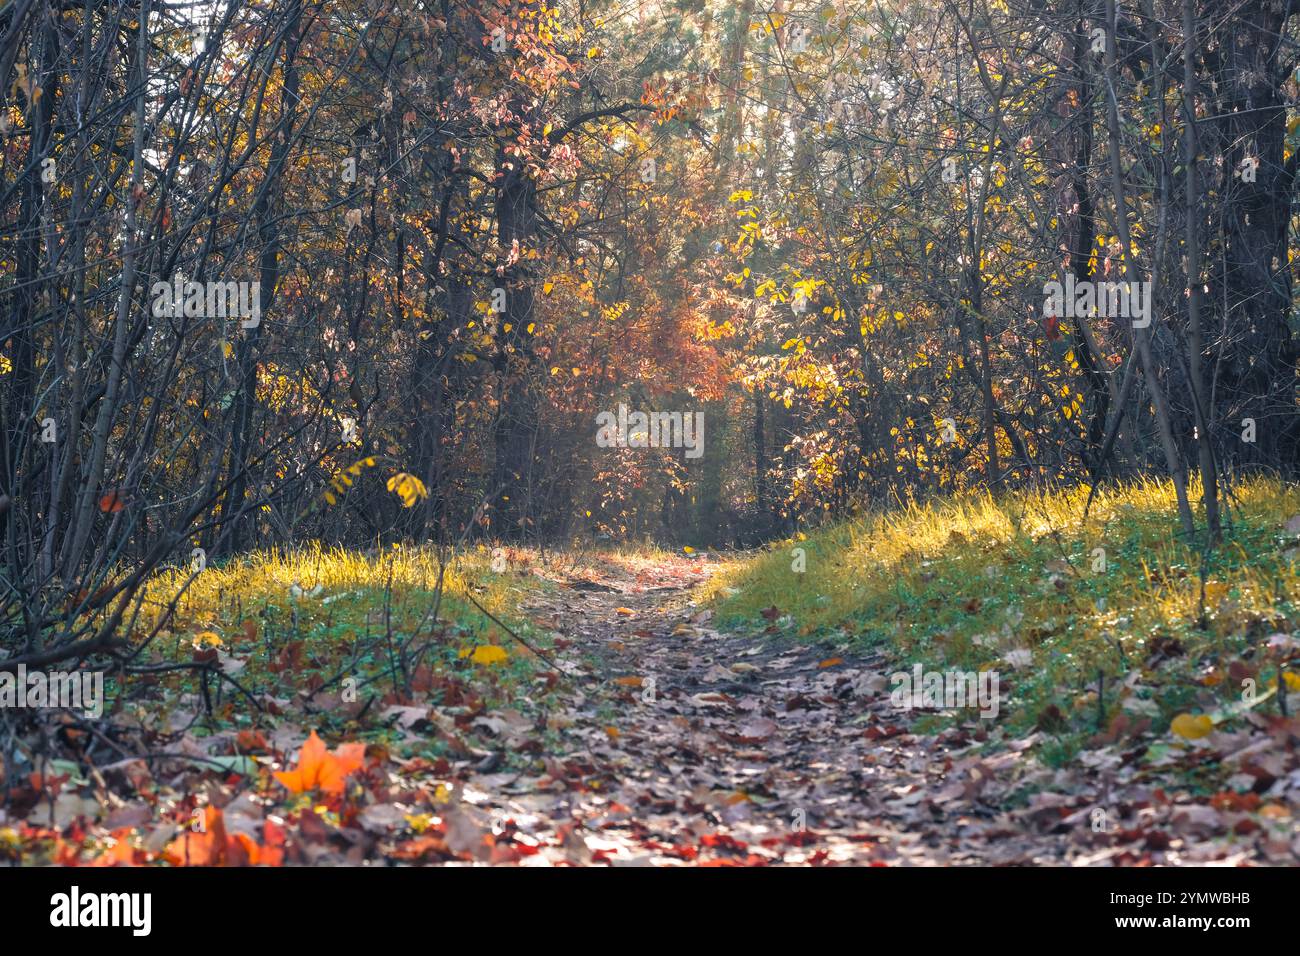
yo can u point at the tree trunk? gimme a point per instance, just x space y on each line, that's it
515 430
1255 354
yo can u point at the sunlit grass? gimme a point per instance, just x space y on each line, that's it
1017 583
308 577
374 616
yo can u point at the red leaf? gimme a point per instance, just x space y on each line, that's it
112 502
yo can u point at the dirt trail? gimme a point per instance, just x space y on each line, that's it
685 744
674 743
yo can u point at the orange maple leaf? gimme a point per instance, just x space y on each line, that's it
319 769
214 846
208 847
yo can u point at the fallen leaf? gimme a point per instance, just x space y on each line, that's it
1019 658
757 730
489 654
1191 728
319 769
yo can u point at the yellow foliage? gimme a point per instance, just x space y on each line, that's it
407 487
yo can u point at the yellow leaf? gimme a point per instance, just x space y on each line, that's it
489 654
419 822
625 611
407 487
1191 728
207 639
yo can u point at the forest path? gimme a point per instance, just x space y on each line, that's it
683 743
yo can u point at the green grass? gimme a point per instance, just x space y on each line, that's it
336 616
979 582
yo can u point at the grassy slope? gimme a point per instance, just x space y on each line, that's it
343 606
964 583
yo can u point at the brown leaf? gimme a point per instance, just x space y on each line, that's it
1050 718
756 730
